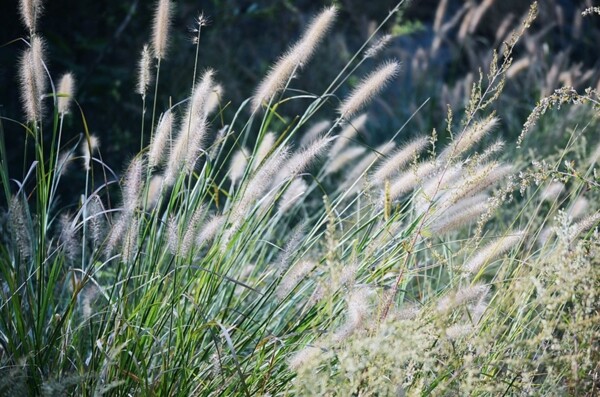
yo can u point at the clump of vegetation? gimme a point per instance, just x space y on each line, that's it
272 254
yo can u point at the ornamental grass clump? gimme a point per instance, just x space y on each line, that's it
266 252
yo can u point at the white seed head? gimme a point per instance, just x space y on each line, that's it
492 250
210 229
214 99
347 134
263 150
132 185
315 131
371 86
160 31
460 214
398 160
68 237
293 278
66 89
304 357
238 164
87 150
154 188
191 232
552 191
578 208
33 79
144 71
378 46
21 233
30 11
408 180
468 138
294 58
300 161
293 193
161 138
346 156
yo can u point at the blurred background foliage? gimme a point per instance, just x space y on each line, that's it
441 43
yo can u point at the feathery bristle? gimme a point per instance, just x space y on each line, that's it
458 331
396 162
160 31
66 90
347 133
191 232
293 193
586 224
18 226
144 71
259 184
266 144
32 76
96 219
483 178
118 229
160 139
464 295
368 161
87 150
378 46
130 241
30 11
210 229
315 131
493 250
304 357
408 180
154 189
290 248
371 85
346 156
62 165
293 277
68 237
436 185
214 99
358 310
238 164
294 58
552 191
192 132
460 214
301 160
578 208
468 138
172 235
132 185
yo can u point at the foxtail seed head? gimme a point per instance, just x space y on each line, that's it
371 85
66 89
160 30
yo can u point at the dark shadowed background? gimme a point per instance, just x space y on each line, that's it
441 44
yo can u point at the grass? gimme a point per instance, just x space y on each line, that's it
240 262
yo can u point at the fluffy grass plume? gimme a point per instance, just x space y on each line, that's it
66 90
493 250
369 87
160 29
161 138
33 79
297 56
144 76
399 159
30 11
